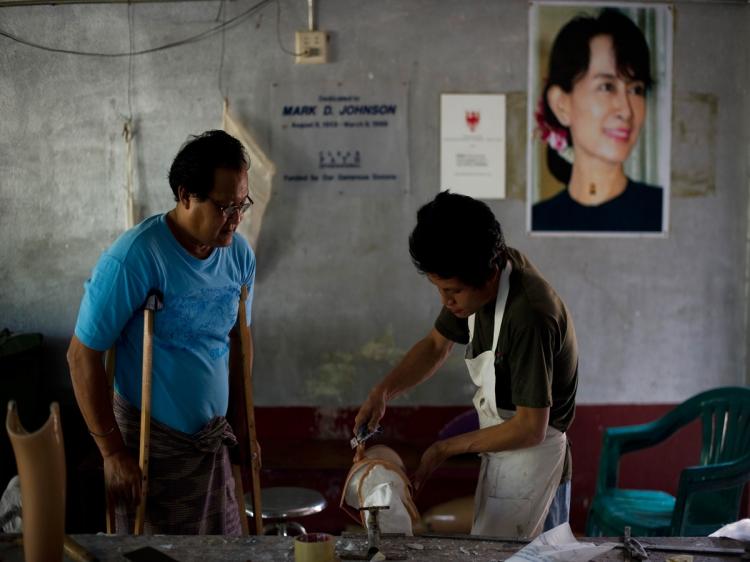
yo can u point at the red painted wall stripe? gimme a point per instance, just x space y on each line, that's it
308 446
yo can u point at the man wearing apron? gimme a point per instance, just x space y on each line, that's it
522 356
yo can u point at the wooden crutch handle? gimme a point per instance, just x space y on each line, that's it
153 303
250 410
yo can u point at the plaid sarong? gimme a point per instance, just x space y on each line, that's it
190 483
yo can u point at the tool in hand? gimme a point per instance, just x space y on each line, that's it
363 434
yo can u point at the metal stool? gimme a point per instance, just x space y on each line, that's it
284 503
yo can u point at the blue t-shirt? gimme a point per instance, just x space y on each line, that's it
190 382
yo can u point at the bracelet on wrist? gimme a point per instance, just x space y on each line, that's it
105 434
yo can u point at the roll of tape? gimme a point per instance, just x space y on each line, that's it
314 547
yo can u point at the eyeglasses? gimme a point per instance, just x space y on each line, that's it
231 209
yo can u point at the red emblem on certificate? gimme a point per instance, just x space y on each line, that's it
472 120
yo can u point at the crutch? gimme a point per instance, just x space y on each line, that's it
153 303
239 493
250 410
109 368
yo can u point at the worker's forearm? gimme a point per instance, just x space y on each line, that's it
419 364
512 434
92 394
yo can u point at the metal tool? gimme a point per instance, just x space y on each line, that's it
373 539
373 528
711 550
634 548
680 549
363 434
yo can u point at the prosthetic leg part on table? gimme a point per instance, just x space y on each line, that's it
379 479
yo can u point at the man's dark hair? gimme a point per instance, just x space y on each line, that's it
570 57
194 166
457 236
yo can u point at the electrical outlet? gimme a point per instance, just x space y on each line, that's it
311 46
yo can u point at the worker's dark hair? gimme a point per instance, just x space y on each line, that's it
569 61
194 166
457 236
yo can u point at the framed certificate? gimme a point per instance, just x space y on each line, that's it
472 144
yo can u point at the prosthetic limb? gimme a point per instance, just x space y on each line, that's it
40 457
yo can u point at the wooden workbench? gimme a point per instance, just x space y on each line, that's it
265 548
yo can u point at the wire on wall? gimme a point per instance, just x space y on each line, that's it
131 68
127 130
223 14
278 32
193 39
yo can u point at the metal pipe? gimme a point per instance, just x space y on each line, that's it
311 15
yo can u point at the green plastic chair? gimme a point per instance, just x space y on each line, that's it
708 495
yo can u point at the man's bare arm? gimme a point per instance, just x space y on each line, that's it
419 364
526 429
122 474
92 394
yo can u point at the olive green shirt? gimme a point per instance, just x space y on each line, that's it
536 359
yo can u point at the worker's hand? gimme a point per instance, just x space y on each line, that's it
371 412
432 458
123 477
359 453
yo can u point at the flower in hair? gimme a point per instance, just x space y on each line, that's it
555 137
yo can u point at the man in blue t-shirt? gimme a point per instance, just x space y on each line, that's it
192 258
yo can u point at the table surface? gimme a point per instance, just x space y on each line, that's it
421 548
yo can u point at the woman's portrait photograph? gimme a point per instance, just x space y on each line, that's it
599 109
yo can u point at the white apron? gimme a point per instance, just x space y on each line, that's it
515 488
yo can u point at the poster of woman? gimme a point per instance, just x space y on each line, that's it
600 83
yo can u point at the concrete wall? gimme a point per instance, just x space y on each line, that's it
337 299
